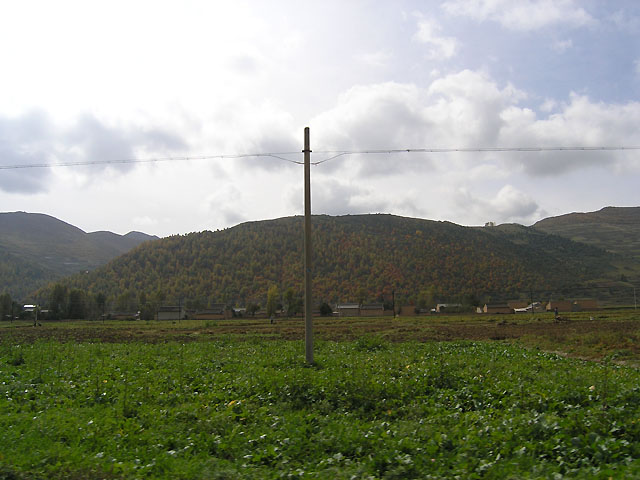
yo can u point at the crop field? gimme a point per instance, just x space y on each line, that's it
446 397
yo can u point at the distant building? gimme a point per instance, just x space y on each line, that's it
171 312
444 307
497 308
348 309
239 311
513 304
372 310
215 312
532 307
121 316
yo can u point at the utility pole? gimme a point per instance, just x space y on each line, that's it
393 302
308 307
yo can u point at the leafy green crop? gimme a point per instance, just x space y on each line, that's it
368 409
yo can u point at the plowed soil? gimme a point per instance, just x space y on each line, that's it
587 335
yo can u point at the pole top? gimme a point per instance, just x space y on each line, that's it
306 141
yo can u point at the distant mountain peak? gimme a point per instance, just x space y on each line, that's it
36 248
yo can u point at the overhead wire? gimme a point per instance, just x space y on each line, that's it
278 156
334 154
339 153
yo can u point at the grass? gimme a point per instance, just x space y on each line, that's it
195 401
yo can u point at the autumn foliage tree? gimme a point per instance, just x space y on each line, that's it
355 258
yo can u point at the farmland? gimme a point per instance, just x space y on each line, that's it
432 397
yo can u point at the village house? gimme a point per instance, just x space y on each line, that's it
372 310
215 312
497 308
445 307
513 304
347 310
535 307
171 312
121 316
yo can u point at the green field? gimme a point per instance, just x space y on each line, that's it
229 400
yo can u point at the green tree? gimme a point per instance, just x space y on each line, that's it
426 298
58 301
101 302
76 308
252 308
5 306
125 301
292 301
325 309
159 297
362 294
147 309
273 297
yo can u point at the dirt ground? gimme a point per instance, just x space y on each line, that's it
586 335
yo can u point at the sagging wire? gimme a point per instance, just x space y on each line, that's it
334 154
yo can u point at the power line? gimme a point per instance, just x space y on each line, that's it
278 156
339 153
334 154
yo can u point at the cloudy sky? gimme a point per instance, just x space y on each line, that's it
93 82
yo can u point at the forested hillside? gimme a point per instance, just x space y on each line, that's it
37 248
361 257
616 229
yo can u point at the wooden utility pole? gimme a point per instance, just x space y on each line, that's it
308 305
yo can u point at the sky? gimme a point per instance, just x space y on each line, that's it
199 85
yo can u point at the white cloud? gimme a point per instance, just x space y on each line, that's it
470 110
580 122
377 59
509 205
548 105
35 139
375 116
458 110
439 47
561 46
524 15
335 197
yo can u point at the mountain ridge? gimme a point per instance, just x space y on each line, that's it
505 257
615 229
356 257
36 248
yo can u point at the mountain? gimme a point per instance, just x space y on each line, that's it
356 257
36 249
615 229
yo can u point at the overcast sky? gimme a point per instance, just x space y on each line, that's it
91 81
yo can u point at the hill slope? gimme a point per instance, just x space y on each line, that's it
355 257
37 248
615 229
